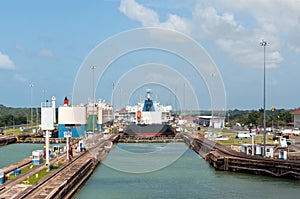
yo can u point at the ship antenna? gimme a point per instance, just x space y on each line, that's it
148 93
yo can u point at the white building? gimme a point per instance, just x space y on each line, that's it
214 121
296 114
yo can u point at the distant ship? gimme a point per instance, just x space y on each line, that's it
149 119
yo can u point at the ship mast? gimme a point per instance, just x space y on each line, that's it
148 93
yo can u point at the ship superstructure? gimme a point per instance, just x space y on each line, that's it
149 112
149 119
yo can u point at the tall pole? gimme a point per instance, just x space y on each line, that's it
31 113
212 101
13 121
47 150
184 100
112 101
44 95
93 115
264 44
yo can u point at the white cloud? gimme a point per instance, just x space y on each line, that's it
237 41
5 62
226 23
20 78
210 24
148 17
276 18
139 12
177 23
46 53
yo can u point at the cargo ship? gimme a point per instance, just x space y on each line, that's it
149 119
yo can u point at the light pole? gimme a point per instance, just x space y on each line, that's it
31 113
93 69
13 118
184 85
44 94
212 101
273 109
228 119
112 102
264 44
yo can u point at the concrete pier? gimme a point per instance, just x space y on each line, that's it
20 164
226 159
160 139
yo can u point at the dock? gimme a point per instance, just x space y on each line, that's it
19 164
159 139
7 139
226 159
64 181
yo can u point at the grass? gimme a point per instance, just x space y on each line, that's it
24 170
17 131
41 174
235 141
12 131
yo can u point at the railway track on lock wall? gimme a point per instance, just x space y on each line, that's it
13 187
47 185
64 182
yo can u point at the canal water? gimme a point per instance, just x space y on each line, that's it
187 177
13 153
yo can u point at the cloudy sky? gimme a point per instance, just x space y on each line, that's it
45 43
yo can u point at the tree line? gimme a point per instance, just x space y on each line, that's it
255 118
10 116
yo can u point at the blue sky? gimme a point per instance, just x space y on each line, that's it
45 42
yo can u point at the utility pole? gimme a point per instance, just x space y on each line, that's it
31 113
263 43
93 115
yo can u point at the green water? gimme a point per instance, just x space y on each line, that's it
187 177
13 153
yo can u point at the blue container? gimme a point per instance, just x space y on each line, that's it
2 176
1 180
37 162
17 172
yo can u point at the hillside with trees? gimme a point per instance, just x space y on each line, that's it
15 116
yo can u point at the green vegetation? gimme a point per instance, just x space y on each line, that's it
13 131
41 174
236 141
14 116
254 118
24 170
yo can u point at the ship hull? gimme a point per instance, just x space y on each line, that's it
150 130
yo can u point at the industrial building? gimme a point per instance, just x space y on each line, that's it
83 118
296 114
